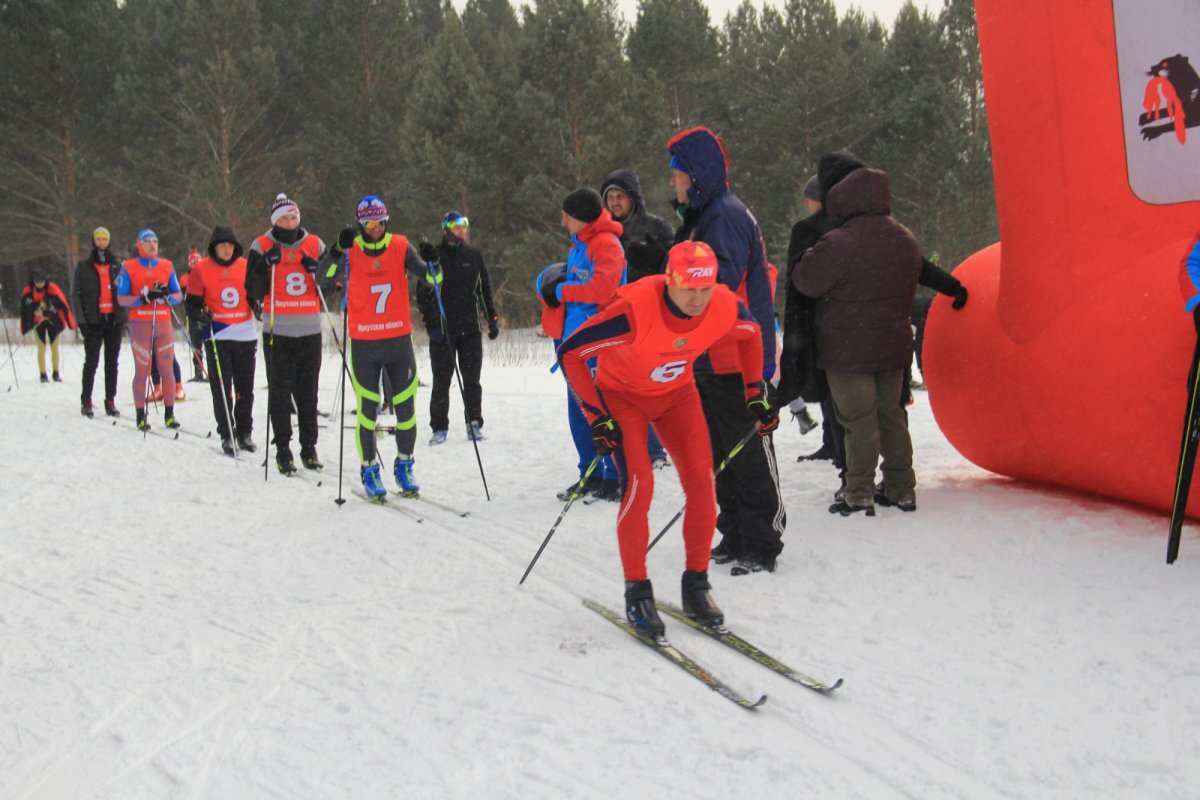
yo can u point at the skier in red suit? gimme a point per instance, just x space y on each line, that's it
646 343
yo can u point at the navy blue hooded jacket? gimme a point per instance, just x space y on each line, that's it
718 217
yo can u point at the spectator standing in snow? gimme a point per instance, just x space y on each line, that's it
101 320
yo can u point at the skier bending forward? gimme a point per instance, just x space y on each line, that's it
646 342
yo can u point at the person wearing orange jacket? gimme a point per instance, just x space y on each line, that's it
45 312
646 344
379 328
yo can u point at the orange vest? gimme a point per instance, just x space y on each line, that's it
223 289
659 359
377 295
140 277
107 305
295 290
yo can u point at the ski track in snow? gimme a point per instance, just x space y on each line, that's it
172 627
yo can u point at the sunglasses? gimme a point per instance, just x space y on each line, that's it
148 240
371 225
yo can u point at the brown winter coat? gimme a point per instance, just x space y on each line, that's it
864 274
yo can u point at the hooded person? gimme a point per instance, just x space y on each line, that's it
864 274
455 289
217 304
45 313
147 287
101 320
645 237
752 516
281 267
594 268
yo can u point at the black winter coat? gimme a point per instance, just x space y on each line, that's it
645 237
464 286
87 291
799 375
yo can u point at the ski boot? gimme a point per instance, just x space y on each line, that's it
641 612
403 469
610 490
110 408
372 482
143 424
227 446
724 552
245 443
169 417
474 432
284 460
87 410
592 486
697 600
55 376
439 437
308 457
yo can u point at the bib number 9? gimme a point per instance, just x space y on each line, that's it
665 373
230 297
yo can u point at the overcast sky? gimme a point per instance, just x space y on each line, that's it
886 10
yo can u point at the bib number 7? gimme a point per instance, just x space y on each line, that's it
383 290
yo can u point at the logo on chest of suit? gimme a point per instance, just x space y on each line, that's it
377 264
679 343
292 255
225 273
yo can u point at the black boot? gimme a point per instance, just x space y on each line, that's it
697 600
725 552
227 446
284 460
824 453
143 424
245 443
640 610
110 408
308 457
57 379
593 486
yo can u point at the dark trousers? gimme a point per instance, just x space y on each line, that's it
369 361
468 349
108 336
833 435
751 516
233 377
295 366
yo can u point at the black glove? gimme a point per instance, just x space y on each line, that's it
429 253
646 258
346 237
493 328
156 293
766 414
436 335
960 298
550 282
255 308
202 319
272 256
309 263
606 435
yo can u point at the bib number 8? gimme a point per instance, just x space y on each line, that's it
229 297
294 284
665 373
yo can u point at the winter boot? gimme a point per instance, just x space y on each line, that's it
807 423
143 424
750 563
87 410
825 453
609 490
169 417
372 482
245 443
659 462
110 408
905 502
592 486
845 509
474 432
227 447
284 460
439 437
725 552
308 457
403 469
697 600
44 378
56 378
640 610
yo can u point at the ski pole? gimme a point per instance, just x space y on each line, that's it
270 380
737 448
575 493
212 341
1187 459
11 353
345 369
437 291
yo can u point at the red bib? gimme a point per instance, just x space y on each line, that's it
295 290
223 290
142 277
377 296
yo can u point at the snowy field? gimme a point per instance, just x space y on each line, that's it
173 627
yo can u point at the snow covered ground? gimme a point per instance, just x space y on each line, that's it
173 627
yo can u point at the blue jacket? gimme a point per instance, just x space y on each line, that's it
595 268
718 217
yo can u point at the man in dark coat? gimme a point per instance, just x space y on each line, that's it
864 273
101 319
462 278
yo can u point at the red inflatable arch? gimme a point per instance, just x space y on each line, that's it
1069 364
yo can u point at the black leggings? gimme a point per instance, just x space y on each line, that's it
370 359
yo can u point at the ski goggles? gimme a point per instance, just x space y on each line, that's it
457 222
372 224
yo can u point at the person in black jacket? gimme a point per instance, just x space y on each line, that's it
460 276
101 320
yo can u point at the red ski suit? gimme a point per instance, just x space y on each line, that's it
645 349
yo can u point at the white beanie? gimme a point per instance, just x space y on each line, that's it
283 206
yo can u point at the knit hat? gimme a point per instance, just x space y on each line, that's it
37 275
283 205
691 265
812 189
146 233
99 232
371 209
583 204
